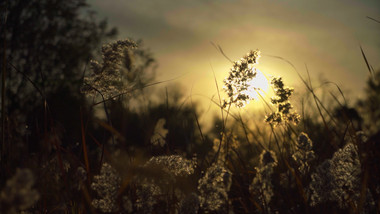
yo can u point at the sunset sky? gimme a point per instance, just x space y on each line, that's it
324 35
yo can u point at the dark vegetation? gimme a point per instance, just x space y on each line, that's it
58 156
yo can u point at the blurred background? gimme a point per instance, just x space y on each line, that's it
325 36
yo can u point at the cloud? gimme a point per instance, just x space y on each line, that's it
323 34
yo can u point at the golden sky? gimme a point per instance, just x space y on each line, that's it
324 35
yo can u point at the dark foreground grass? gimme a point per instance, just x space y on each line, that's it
159 160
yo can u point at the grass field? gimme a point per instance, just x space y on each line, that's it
309 157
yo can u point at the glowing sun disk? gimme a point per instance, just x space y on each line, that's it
259 84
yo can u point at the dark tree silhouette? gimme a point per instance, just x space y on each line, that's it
45 47
369 106
47 43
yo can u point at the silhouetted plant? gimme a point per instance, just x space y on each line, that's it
154 157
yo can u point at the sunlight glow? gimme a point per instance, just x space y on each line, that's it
258 85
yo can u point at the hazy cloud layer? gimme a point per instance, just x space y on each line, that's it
325 35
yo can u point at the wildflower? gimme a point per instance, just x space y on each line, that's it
158 178
337 179
262 186
237 84
106 186
282 93
268 158
281 100
304 153
158 138
147 194
18 193
106 77
173 164
214 187
55 166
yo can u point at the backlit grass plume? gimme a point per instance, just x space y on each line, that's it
237 84
304 153
214 187
106 185
106 77
338 179
262 187
284 111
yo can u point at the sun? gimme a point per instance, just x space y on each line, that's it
259 85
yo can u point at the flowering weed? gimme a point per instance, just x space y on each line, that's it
161 163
